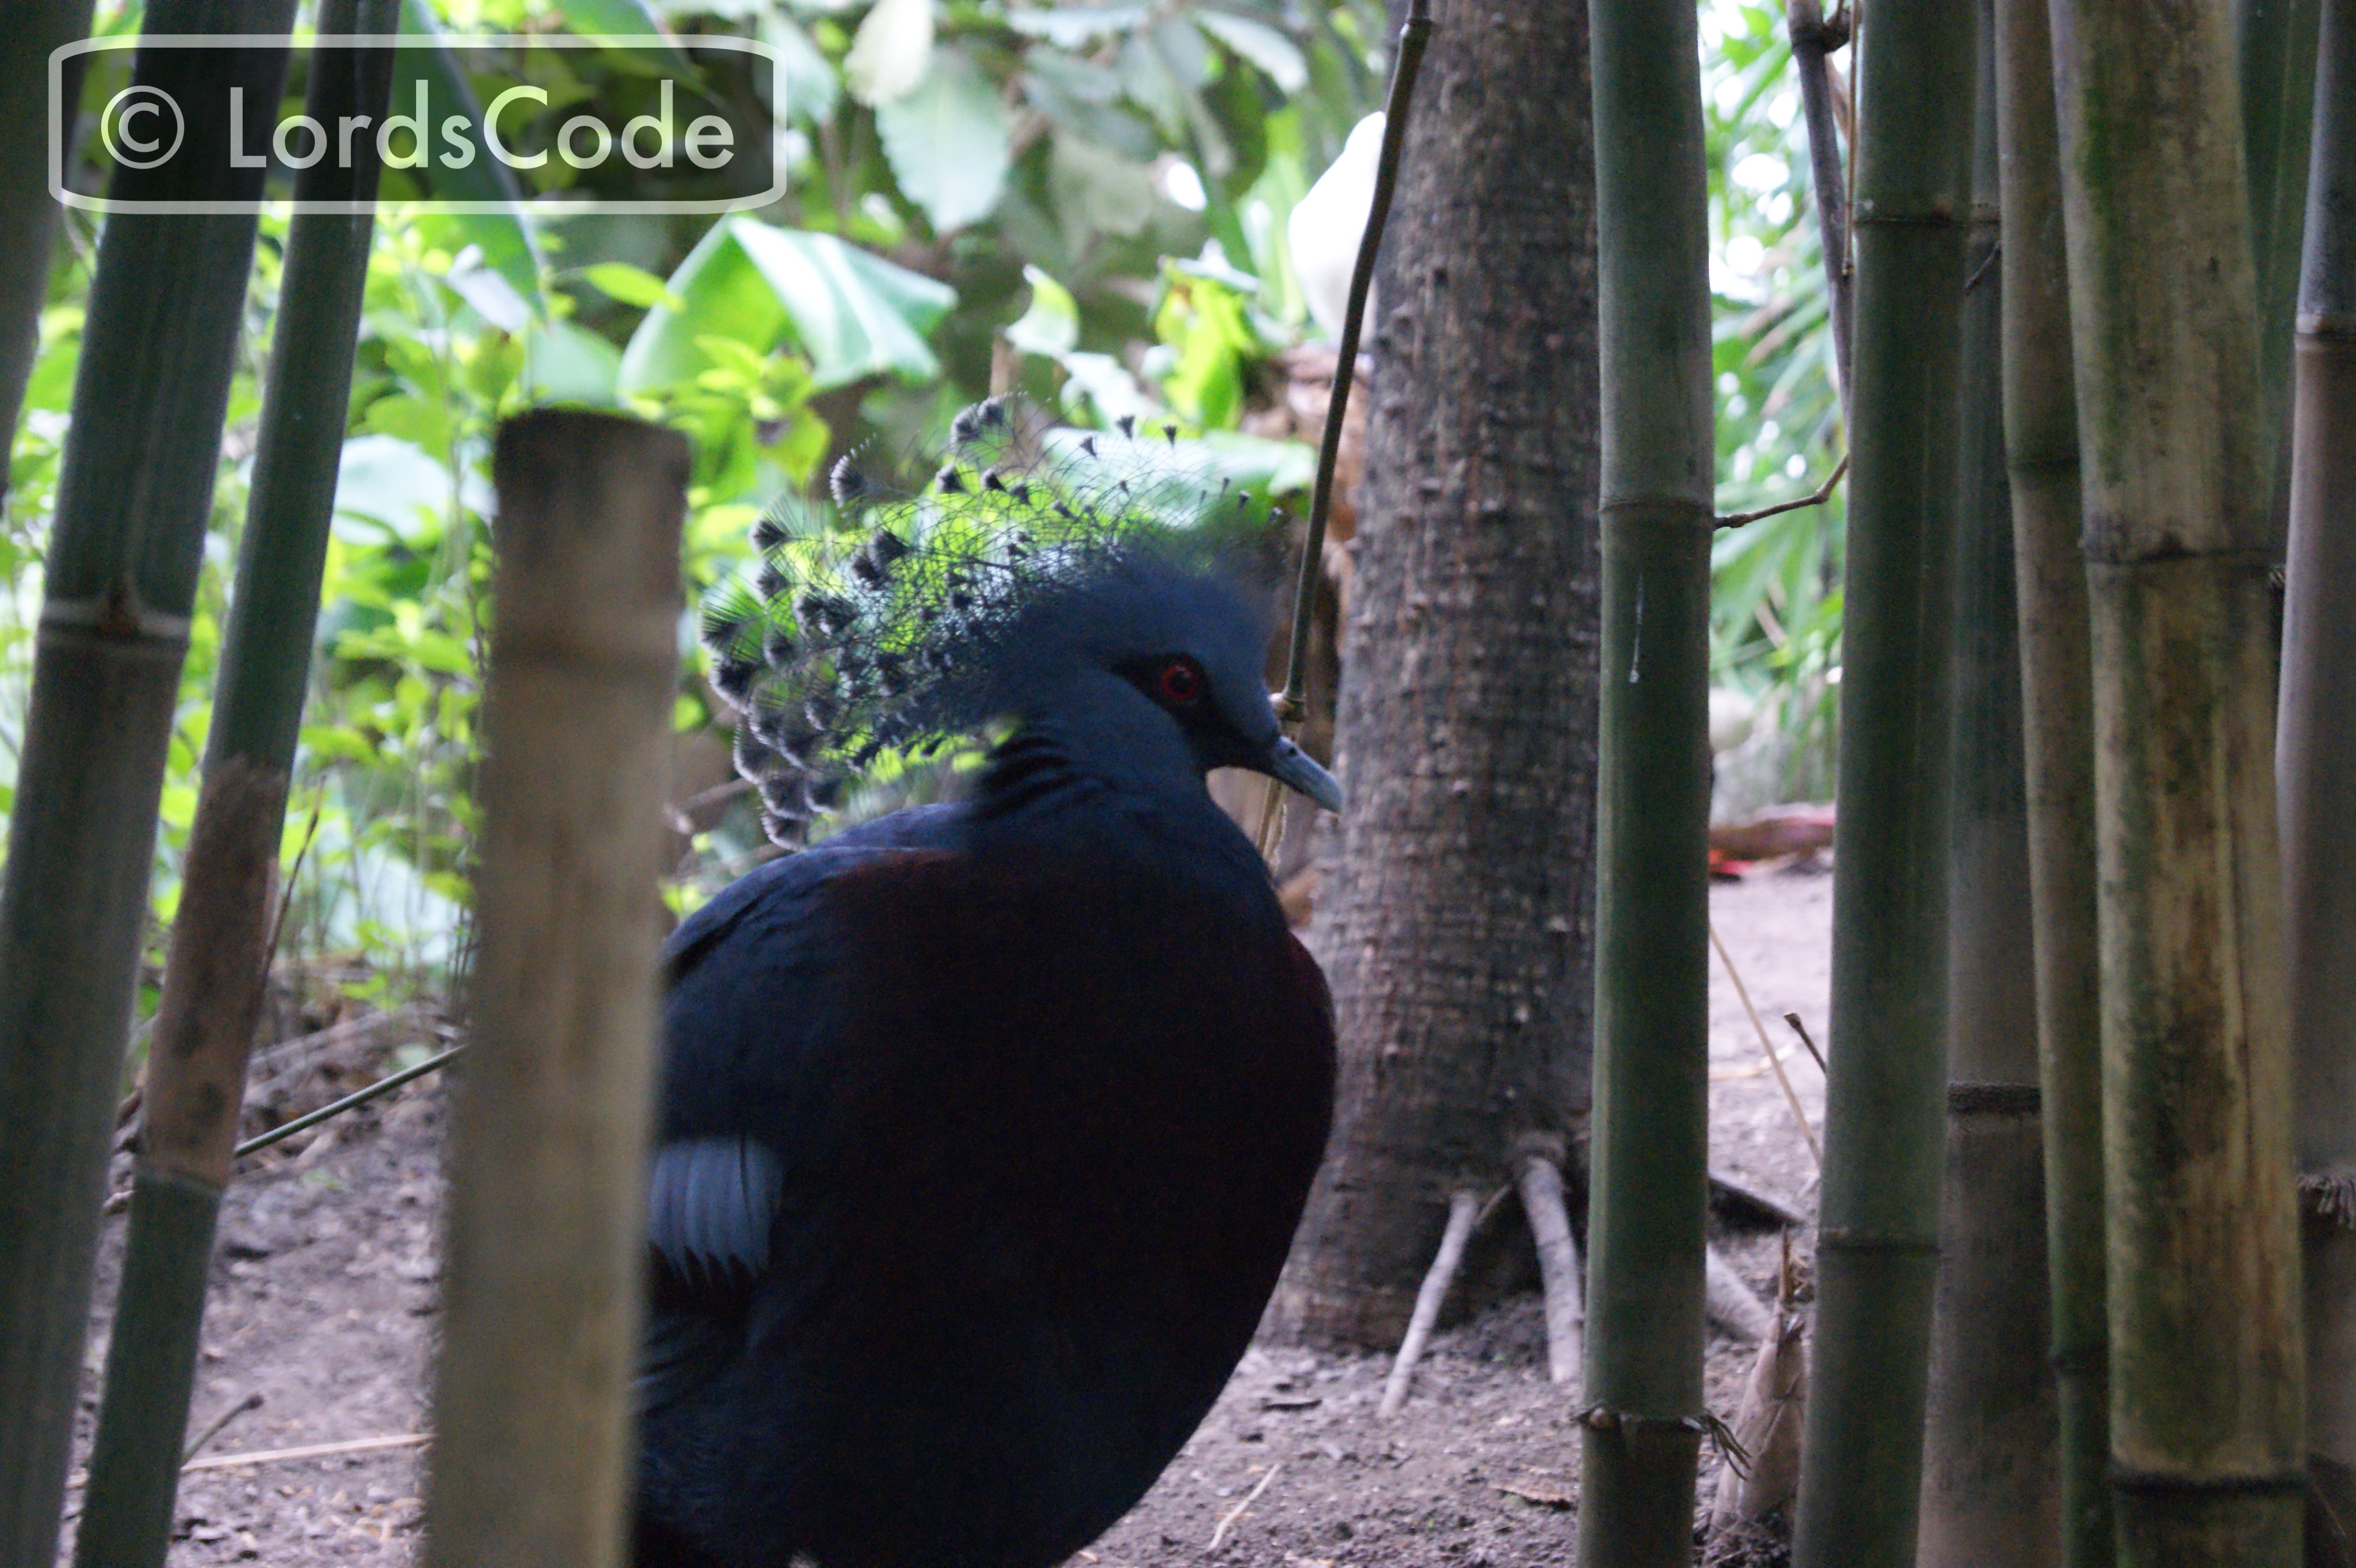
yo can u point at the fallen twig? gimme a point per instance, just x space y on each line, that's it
309 1451
1219 1532
251 1401
1765 1045
1802 1030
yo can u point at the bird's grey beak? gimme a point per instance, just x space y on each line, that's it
1288 764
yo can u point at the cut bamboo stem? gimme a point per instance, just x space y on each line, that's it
1885 1094
1649 1154
1463 1207
134 496
532 1460
1559 1270
216 972
2040 418
2207 1381
2316 758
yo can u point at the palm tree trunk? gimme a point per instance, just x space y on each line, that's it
2316 754
1648 1166
214 978
2040 419
531 1459
1453 917
133 500
1861 1468
2207 1399
1989 1493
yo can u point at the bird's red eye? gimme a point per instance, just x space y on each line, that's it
1180 682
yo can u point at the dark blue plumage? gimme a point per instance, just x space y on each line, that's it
985 1126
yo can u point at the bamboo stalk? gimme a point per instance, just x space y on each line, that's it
133 500
2276 48
2207 1400
2041 418
2316 758
1648 1163
28 214
1877 1251
220 958
1811 42
532 1456
1990 1496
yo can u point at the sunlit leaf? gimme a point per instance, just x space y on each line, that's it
891 51
1052 325
949 141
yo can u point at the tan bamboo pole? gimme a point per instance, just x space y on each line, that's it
2207 1398
532 1453
2040 420
2316 755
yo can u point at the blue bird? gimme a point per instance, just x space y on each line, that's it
985 1126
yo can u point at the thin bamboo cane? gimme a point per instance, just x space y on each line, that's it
133 500
1811 41
28 214
1990 1492
1649 1160
2207 1399
220 958
2275 45
2041 418
2316 758
531 1461
1861 1468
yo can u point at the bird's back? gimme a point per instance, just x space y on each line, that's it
1032 1128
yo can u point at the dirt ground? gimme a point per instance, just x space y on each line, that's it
326 1305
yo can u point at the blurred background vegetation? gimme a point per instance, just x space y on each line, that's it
1085 202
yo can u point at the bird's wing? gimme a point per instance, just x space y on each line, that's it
753 1027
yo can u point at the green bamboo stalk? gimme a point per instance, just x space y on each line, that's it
2207 1399
28 214
214 978
133 500
1648 1165
531 1411
2315 751
1990 1496
2275 43
2040 419
1861 1460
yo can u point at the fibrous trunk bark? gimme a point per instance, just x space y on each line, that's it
532 1407
134 496
215 976
1990 1498
1648 1167
1454 923
2207 1400
2316 756
2040 420
1878 1245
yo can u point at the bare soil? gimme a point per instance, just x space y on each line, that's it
327 1303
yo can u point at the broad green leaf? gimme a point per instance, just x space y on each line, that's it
1276 57
565 363
806 81
626 19
384 485
1071 26
855 314
891 51
631 286
1096 191
1051 326
507 237
949 142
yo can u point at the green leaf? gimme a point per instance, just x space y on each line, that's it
1070 27
890 52
1096 191
856 315
949 142
631 286
1051 327
1275 56
565 363
806 81
508 243
625 19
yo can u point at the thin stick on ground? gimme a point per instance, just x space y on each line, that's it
1802 1030
1463 1207
213 1429
1219 1531
1767 1046
1559 1268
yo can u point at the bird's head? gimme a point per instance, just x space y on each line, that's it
1058 580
